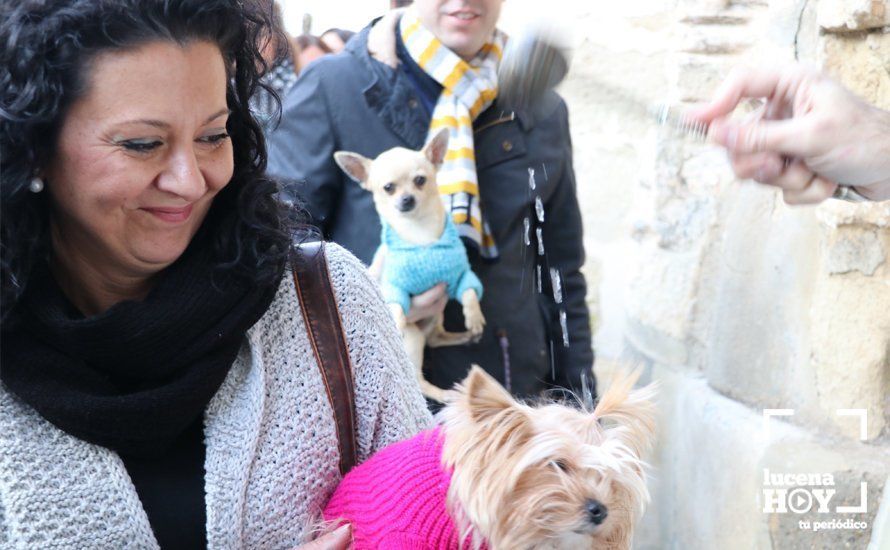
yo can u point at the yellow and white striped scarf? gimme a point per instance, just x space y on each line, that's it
468 89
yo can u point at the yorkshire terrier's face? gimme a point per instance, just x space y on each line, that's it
551 476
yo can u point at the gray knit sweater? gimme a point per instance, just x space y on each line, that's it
271 460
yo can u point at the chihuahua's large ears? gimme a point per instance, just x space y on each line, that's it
483 395
437 147
356 166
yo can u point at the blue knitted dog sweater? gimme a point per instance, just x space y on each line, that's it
411 269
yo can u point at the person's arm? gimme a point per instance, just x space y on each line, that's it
389 405
301 149
564 244
811 135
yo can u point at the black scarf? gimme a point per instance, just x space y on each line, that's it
136 376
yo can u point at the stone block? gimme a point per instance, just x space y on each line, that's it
855 250
660 300
861 62
760 278
697 76
850 342
716 40
838 213
880 533
702 8
853 15
784 24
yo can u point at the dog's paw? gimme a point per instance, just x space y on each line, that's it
474 321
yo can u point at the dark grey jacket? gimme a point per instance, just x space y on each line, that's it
351 102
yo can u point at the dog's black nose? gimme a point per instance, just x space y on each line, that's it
407 202
596 511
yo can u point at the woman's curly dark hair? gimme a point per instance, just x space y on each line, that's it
47 46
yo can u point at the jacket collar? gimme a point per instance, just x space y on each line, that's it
390 95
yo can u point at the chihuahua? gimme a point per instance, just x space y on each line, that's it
419 245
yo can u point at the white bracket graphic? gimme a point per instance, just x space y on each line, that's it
863 502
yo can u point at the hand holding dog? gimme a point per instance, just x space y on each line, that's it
428 304
829 135
425 305
382 38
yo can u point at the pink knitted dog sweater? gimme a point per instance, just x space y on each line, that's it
396 499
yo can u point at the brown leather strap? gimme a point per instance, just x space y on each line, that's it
325 329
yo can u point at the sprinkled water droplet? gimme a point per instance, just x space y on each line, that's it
586 393
527 225
564 325
544 166
556 281
540 286
539 233
552 362
539 209
531 178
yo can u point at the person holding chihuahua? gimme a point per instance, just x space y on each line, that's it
442 73
814 139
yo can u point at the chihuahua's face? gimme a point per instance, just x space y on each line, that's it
402 181
546 477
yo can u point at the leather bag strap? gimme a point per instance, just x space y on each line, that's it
319 307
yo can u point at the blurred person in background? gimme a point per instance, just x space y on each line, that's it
336 39
311 48
281 58
811 137
354 102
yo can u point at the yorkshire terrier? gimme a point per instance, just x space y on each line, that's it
504 475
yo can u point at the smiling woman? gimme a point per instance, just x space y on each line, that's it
78 114
155 360
138 164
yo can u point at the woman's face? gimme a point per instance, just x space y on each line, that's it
140 157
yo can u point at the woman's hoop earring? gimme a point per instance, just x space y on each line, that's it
36 185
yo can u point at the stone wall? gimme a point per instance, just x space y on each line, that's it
735 301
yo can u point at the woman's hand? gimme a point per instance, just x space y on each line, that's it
339 539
